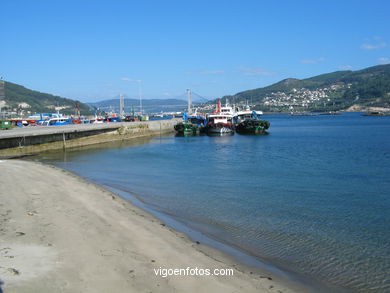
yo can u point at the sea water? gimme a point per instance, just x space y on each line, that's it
312 197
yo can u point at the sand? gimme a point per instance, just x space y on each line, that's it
61 233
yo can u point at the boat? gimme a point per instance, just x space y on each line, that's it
97 120
186 128
247 113
220 124
5 124
57 121
253 125
112 117
193 123
82 120
221 121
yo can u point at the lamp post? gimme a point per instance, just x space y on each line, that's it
140 95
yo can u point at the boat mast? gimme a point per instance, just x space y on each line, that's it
189 96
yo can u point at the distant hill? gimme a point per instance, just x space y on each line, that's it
17 98
148 105
339 90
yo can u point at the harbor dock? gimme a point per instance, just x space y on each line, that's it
41 138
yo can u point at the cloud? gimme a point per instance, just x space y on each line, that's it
375 46
346 67
384 60
374 43
313 61
254 71
131 79
208 72
212 72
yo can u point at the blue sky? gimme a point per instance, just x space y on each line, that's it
94 50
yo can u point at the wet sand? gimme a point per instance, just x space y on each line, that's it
61 233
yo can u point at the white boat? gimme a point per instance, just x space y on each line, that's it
56 121
221 121
246 114
227 110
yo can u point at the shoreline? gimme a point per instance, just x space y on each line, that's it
238 255
63 242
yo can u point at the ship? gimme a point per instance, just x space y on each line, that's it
253 125
193 123
221 121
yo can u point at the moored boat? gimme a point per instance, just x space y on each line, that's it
247 113
193 122
191 125
253 125
185 128
221 121
57 121
5 124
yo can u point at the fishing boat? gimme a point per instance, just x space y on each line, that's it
253 125
186 128
193 123
220 122
247 113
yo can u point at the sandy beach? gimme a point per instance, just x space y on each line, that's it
60 233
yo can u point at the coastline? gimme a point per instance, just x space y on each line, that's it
61 233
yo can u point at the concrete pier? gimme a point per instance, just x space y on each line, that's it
40 138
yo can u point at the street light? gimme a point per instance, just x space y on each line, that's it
139 95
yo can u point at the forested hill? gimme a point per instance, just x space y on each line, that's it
338 90
19 99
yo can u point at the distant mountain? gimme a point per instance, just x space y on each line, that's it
17 98
339 90
148 105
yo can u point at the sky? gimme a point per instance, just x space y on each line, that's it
94 50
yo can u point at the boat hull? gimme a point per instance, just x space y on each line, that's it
253 127
187 129
252 131
220 129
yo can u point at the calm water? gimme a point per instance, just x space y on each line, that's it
313 196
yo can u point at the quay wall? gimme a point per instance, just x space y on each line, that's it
41 138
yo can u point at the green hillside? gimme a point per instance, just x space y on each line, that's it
22 100
339 90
